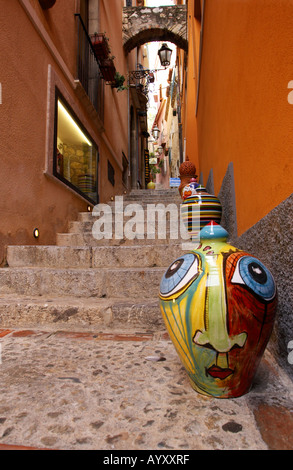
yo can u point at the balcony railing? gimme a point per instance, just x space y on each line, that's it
88 69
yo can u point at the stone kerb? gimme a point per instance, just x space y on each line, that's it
144 24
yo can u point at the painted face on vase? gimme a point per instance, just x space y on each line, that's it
218 304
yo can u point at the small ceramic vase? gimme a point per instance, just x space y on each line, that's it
189 190
218 304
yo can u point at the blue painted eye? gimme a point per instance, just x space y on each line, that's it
252 273
179 275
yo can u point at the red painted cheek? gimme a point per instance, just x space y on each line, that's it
246 314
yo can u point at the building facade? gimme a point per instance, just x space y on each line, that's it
71 134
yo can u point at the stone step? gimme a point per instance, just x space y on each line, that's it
129 214
107 282
156 192
150 200
140 222
140 227
126 215
152 229
92 257
87 239
18 311
142 205
143 200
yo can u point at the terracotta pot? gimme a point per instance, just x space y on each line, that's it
100 45
108 70
219 305
187 171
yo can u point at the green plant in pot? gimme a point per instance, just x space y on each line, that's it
119 82
154 170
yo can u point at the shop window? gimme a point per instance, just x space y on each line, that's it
76 156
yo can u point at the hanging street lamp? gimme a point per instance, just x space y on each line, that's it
156 132
165 55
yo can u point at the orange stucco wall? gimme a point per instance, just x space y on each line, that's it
29 199
243 112
190 91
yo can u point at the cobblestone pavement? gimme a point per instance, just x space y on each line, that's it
127 390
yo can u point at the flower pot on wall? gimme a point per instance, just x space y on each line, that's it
100 45
108 70
46 4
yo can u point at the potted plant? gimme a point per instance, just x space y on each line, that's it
108 69
100 45
154 170
119 82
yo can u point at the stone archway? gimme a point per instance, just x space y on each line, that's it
144 24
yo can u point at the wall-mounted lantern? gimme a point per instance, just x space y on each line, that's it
160 150
156 132
165 55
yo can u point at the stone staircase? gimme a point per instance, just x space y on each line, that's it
84 281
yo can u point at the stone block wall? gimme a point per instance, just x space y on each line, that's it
143 24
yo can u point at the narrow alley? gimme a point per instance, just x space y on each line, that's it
86 362
146 226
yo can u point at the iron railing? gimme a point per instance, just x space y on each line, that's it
141 79
88 70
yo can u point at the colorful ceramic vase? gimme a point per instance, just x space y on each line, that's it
218 304
198 209
189 190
